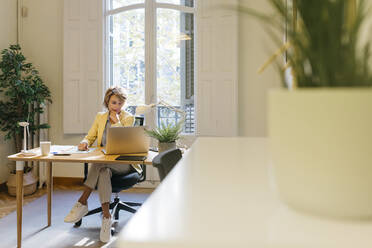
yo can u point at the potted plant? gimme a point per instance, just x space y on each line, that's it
320 126
166 135
29 181
23 95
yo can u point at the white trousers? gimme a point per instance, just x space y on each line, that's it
100 175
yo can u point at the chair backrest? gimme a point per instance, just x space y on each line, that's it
126 181
165 161
143 175
139 120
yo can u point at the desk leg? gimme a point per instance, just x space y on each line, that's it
19 192
49 191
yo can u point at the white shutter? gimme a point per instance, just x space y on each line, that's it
82 63
217 68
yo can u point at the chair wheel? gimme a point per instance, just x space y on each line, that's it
112 231
77 224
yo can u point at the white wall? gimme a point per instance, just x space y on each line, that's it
8 35
41 39
255 47
8 23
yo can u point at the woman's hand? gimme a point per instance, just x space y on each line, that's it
114 117
83 146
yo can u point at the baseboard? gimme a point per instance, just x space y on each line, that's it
70 181
144 187
148 184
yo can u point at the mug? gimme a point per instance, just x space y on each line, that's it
45 147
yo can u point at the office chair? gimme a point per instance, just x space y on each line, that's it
138 121
119 183
165 161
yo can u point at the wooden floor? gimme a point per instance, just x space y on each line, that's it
8 203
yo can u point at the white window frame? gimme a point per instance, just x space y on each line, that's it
215 66
150 7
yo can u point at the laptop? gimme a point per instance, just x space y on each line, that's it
126 140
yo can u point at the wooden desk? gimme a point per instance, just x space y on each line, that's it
219 195
93 157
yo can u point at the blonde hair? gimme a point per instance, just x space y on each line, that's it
114 91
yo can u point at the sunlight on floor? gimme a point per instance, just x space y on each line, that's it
86 242
81 242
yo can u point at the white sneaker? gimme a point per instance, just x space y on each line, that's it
77 212
105 234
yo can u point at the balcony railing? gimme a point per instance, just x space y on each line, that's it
168 116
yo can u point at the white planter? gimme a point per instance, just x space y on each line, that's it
321 148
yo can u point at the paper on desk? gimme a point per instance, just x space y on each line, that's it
68 149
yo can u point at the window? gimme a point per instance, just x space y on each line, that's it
150 52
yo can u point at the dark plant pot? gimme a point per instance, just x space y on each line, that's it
162 147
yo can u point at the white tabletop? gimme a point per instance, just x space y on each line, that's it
219 195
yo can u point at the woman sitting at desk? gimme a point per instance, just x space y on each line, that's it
100 174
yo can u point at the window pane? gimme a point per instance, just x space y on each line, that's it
128 54
175 65
114 4
188 3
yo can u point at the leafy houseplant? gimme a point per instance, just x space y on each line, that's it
319 130
23 95
325 46
167 135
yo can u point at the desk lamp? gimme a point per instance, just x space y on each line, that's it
26 131
144 109
25 126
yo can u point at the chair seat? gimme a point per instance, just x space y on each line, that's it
123 182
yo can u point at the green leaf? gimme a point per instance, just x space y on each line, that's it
327 49
22 92
166 133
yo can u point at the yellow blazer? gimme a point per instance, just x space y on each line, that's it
98 127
